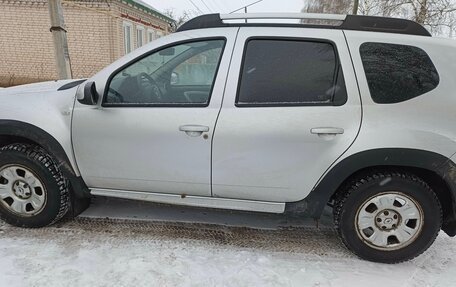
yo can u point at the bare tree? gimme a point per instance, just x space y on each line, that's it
328 6
385 8
434 14
181 19
437 15
355 6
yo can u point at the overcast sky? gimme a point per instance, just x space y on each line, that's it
224 6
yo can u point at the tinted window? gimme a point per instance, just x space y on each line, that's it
396 73
180 75
287 72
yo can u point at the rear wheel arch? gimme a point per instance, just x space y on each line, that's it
387 216
12 131
435 169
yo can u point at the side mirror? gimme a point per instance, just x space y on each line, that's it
90 95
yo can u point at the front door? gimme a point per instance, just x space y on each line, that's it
154 128
291 108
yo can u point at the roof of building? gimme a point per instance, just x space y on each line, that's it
149 9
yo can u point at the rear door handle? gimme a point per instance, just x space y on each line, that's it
193 130
327 131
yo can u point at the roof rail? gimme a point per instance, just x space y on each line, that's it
348 22
313 16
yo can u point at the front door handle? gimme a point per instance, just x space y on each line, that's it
193 130
327 131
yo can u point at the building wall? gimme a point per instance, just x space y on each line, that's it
94 32
26 43
137 19
90 33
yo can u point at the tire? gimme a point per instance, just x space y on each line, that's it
34 193
375 214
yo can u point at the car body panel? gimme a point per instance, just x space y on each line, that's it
269 153
43 106
425 122
142 148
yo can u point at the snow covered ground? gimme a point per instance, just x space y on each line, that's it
120 243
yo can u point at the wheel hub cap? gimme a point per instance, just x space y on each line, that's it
389 221
21 191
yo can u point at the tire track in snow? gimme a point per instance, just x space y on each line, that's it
302 240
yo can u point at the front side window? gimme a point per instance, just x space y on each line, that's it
198 70
290 72
396 73
180 75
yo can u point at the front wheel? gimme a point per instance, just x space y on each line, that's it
387 217
33 191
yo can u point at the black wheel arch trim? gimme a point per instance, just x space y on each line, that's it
32 133
320 196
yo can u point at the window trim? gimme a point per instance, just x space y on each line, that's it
140 29
177 105
149 32
294 39
130 25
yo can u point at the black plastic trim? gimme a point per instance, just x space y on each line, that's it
320 196
71 85
303 104
166 105
201 22
50 144
351 22
383 24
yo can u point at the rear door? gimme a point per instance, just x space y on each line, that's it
291 108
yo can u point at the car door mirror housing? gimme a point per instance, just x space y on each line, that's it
90 94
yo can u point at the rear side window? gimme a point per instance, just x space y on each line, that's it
278 72
397 73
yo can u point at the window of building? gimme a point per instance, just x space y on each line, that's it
139 36
150 35
397 73
182 75
127 27
280 72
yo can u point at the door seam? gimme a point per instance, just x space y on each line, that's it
220 109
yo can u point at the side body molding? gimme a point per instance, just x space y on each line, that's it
11 131
319 197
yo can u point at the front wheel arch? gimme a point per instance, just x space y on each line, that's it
12 131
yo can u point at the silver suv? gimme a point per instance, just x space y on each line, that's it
355 112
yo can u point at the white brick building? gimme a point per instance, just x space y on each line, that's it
98 31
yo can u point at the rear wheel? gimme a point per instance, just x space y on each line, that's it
33 191
387 217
